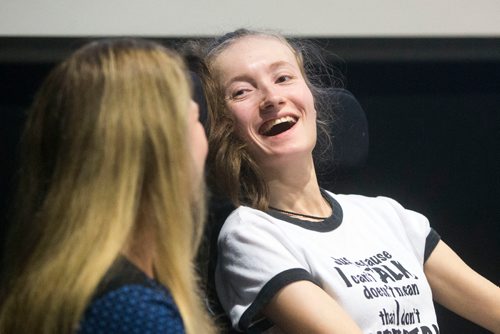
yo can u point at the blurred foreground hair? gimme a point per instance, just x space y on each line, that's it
104 158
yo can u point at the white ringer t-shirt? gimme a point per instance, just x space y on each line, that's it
368 256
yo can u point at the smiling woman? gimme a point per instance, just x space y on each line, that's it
269 98
296 258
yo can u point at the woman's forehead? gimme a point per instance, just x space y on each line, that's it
251 51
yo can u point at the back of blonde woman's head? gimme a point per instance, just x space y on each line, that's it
104 155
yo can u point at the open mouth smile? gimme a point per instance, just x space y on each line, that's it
276 126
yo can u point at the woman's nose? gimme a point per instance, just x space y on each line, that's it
271 100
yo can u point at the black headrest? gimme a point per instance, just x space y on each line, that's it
199 97
349 131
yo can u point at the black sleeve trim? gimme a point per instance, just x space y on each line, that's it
430 243
266 294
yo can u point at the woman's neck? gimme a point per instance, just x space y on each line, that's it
140 251
295 188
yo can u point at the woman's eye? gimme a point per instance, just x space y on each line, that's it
283 78
238 93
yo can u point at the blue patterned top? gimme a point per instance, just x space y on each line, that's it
127 301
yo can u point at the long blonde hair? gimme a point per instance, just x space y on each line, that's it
105 140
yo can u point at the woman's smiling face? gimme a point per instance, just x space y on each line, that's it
269 98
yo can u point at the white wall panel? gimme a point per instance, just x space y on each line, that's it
179 18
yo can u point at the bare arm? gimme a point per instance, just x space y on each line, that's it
303 307
459 288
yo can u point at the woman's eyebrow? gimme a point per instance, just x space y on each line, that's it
241 77
248 78
281 63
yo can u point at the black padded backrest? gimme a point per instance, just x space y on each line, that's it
349 131
349 137
199 97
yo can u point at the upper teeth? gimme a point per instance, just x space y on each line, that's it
268 125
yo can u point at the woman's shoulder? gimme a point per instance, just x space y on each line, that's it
132 309
128 301
244 221
364 200
385 211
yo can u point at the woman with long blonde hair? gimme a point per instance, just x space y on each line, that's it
110 203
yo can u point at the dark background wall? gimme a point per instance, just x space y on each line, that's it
433 107
435 146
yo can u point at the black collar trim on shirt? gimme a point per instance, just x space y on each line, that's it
327 225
